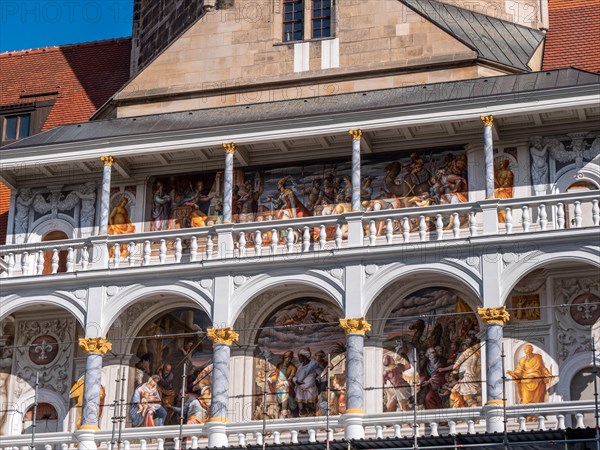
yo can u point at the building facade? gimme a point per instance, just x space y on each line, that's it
374 218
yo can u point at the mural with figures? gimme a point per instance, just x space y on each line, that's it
264 194
443 332
162 364
291 362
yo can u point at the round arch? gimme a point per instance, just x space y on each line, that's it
518 271
569 369
194 294
42 229
417 278
14 303
320 283
567 178
44 396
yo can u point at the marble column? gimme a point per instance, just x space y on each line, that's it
222 339
356 135
228 182
494 320
105 198
95 348
488 152
355 366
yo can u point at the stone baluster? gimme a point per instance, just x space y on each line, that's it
95 349
276 437
105 196
372 233
472 224
178 250
595 212
259 438
160 444
577 213
522 424
131 250
222 340
422 228
355 330
258 243
294 434
488 153
433 426
338 235
162 251
494 320
306 239
312 435
290 240
242 243
452 428
397 431
193 249
455 225
40 262
322 237
116 255
274 241
229 149
25 263
209 246
241 439
560 422
378 432
147 253
389 231
508 218
541 423
560 215
54 260
543 216
70 259
405 230
126 445
356 135
471 426
525 218
439 227
579 421
143 444
194 442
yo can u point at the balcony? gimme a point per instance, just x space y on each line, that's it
301 240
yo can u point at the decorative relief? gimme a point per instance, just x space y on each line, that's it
337 273
371 269
585 310
112 290
43 350
239 280
206 283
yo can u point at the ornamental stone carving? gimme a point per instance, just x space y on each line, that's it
95 345
488 121
494 316
229 147
222 336
355 326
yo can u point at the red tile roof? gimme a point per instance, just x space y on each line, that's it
573 38
84 76
80 77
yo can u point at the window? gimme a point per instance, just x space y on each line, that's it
321 19
293 23
16 127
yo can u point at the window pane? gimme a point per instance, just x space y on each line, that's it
24 126
10 130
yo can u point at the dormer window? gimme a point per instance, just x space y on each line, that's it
16 127
293 20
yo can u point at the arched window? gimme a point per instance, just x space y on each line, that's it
46 419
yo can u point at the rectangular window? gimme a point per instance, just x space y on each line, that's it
293 23
17 127
321 19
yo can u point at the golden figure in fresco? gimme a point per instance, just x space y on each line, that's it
532 377
503 184
77 394
120 223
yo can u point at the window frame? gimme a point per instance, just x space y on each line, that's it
314 19
18 136
297 18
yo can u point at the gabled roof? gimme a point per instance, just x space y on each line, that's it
493 39
403 100
79 78
573 35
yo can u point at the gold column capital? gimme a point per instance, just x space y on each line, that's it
229 147
222 336
494 316
488 120
107 160
355 326
95 345
356 134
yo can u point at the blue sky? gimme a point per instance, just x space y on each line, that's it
28 24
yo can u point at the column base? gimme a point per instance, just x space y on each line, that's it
494 417
353 425
217 434
86 439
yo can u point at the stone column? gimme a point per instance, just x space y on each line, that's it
228 182
356 135
222 339
488 151
494 320
105 199
95 348
355 405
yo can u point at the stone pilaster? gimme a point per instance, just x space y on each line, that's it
229 149
494 320
222 339
488 151
356 136
355 408
105 198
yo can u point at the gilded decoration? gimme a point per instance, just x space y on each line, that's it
222 336
229 147
488 121
95 345
356 134
494 316
107 160
355 326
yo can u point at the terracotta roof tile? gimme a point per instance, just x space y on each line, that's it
573 38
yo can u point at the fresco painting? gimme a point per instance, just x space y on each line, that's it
159 372
437 326
277 193
291 362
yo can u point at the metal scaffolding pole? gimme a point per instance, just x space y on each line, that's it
115 407
183 381
35 405
415 425
594 375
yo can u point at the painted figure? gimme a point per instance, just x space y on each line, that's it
539 164
286 204
281 382
161 208
146 409
503 184
397 389
432 380
305 382
248 200
77 394
532 377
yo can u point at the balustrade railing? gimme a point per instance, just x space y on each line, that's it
548 416
306 235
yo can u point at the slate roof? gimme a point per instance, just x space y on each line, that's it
507 88
493 39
